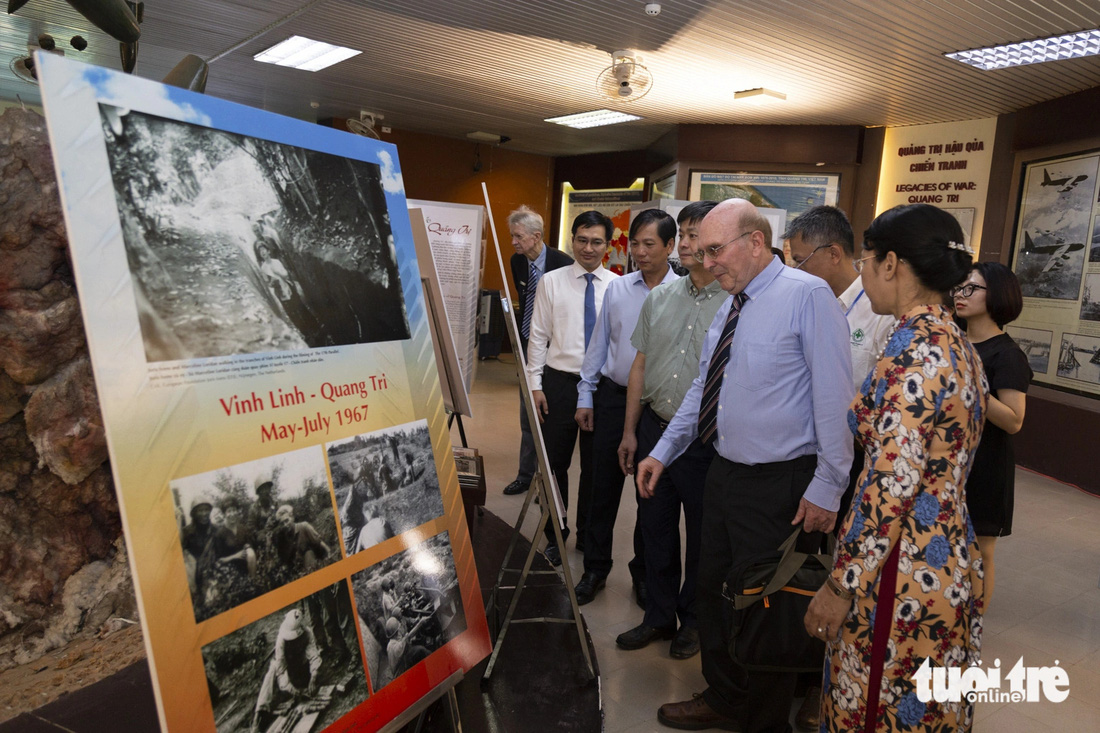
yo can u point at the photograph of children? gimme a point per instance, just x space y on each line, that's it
385 484
237 245
1053 227
298 669
1036 344
250 528
409 605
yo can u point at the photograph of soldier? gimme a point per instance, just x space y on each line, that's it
237 245
298 669
250 528
409 606
385 483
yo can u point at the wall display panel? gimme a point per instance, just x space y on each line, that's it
794 193
259 339
614 203
1056 256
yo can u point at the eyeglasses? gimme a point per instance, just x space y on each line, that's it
581 242
965 291
714 249
803 262
858 264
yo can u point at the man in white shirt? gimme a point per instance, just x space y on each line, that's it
822 244
567 306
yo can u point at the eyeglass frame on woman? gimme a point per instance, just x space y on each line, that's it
821 246
858 264
957 292
714 249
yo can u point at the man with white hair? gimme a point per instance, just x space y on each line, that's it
532 260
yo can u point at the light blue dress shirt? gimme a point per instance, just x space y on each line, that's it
787 386
610 352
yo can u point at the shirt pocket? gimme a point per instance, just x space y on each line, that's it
754 366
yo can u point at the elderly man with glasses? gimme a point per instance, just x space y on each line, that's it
771 396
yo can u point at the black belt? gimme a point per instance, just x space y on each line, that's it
609 383
652 415
797 463
567 375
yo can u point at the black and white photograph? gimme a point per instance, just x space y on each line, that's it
1036 344
250 528
237 245
409 605
298 669
385 484
1054 227
1090 298
1079 358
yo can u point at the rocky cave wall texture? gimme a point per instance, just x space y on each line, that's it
62 561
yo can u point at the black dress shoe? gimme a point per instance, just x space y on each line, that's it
517 487
588 586
641 593
553 555
640 636
685 644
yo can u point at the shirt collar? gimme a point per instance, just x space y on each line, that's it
540 261
670 275
601 272
761 282
849 296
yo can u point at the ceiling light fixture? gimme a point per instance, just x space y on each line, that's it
1054 48
595 118
760 94
304 53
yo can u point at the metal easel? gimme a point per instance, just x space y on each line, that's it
550 505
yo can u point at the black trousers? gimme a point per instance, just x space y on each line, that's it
560 433
747 513
681 485
608 479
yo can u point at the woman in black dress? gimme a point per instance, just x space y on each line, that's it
988 299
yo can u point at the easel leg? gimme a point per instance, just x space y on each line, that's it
454 416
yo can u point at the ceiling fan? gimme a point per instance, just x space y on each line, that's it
626 80
365 125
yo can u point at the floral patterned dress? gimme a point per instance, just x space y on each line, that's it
919 416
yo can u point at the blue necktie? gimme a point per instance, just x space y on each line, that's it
529 306
589 308
716 371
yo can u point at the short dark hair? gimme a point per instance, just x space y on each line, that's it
666 225
593 218
919 234
779 253
694 212
821 226
1003 298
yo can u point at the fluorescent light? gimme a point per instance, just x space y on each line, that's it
306 54
759 94
595 118
1055 48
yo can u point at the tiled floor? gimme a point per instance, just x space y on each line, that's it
1046 607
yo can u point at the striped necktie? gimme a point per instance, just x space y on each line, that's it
529 304
716 371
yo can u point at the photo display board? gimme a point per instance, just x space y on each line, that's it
257 330
1056 256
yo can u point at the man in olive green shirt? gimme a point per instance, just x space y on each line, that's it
669 338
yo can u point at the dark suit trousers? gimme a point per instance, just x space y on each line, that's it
560 433
747 513
607 484
681 484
